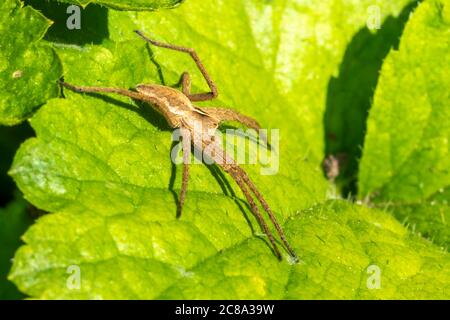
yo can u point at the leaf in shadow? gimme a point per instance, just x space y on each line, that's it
94 23
10 140
350 96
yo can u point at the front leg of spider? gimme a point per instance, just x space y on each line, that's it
177 108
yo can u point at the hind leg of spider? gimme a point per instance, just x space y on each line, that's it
221 158
255 209
243 175
193 97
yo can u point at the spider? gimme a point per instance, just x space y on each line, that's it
177 108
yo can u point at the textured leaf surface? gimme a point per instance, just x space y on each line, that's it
406 159
350 95
102 166
28 69
293 46
127 4
88 148
132 252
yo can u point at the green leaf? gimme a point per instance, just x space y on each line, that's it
14 220
350 96
28 69
295 46
93 23
406 158
102 166
87 145
127 4
142 253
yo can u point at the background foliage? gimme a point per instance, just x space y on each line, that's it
100 165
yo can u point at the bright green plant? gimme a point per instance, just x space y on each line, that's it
101 165
406 160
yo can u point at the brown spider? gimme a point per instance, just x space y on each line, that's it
178 110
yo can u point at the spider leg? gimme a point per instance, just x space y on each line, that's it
255 210
124 92
228 165
185 77
186 84
226 114
266 207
